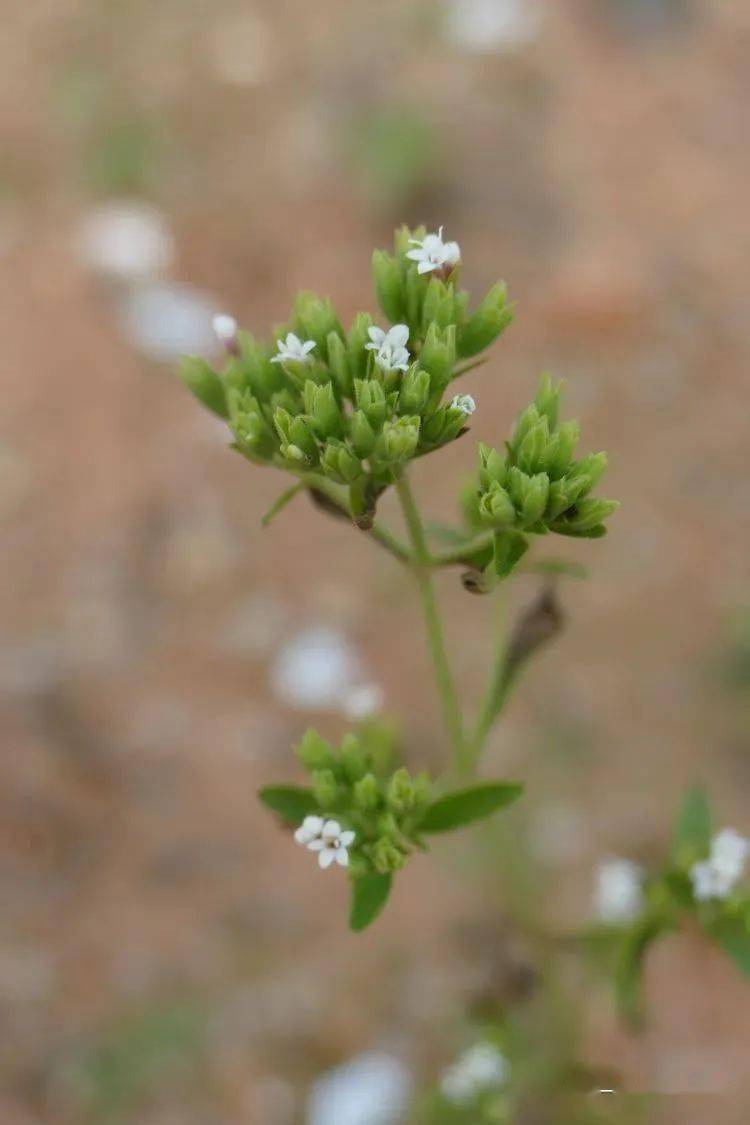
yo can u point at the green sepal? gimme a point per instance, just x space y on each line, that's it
369 895
361 434
315 752
510 547
316 319
323 409
338 362
356 349
292 803
492 316
629 970
386 276
584 517
200 378
693 829
464 806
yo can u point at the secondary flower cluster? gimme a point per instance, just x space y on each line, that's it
536 485
701 878
355 405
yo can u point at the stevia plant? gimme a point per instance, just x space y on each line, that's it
344 413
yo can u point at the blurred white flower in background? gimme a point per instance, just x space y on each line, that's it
717 876
225 328
618 893
390 347
481 1067
316 670
372 1089
363 701
492 25
168 320
125 241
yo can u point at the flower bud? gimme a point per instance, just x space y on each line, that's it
585 518
492 466
491 317
496 508
339 463
401 795
547 400
354 759
398 440
526 421
356 350
530 451
317 318
323 409
438 356
361 434
205 384
438 306
557 456
415 391
315 753
386 276
249 424
326 789
367 793
338 362
369 396
534 494
387 857
297 440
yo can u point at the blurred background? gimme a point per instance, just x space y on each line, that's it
166 954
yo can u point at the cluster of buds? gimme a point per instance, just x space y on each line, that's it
381 808
354 406
536 485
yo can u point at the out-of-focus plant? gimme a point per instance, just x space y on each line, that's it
345 413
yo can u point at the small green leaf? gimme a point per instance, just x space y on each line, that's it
692 836
369 896
464 806
281 503
205 384
292 803
733 936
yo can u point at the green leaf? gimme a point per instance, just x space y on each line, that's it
464 806
292 803
693 830
281 503
733 936
369 896
205 384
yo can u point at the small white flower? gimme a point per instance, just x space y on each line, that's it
480 1068
717 876
363 701
332 844
390 349
432 253
293 348
464 403
618 895
225 328
309 830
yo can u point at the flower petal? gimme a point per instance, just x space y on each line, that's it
425 267
347 838
317 845
326 858
415 255
342 857
331 830
398 335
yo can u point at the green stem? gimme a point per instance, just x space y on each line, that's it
460 552
498 689
335 494
433 622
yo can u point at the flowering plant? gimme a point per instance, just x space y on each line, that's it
345 412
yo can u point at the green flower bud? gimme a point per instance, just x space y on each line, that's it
535 491
438 307
205 384
491 317
414 291
526 421
338 361
386 276
415 391
367 794
496 508
556 458
323 409
298 442
492 466
586 517
387 857
530 451
326 789
547 400
401 796
369 396
339 462
315 753
250 426
253 369
510 547
585 474
354 759
398 440
317 319
438 356
356 351
361 434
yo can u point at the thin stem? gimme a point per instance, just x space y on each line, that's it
498 689
433 622
459 552
337 497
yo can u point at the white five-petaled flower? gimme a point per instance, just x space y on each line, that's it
327 838
717 876
618 895
390 349
293 348
464 403
480 1068
433 254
